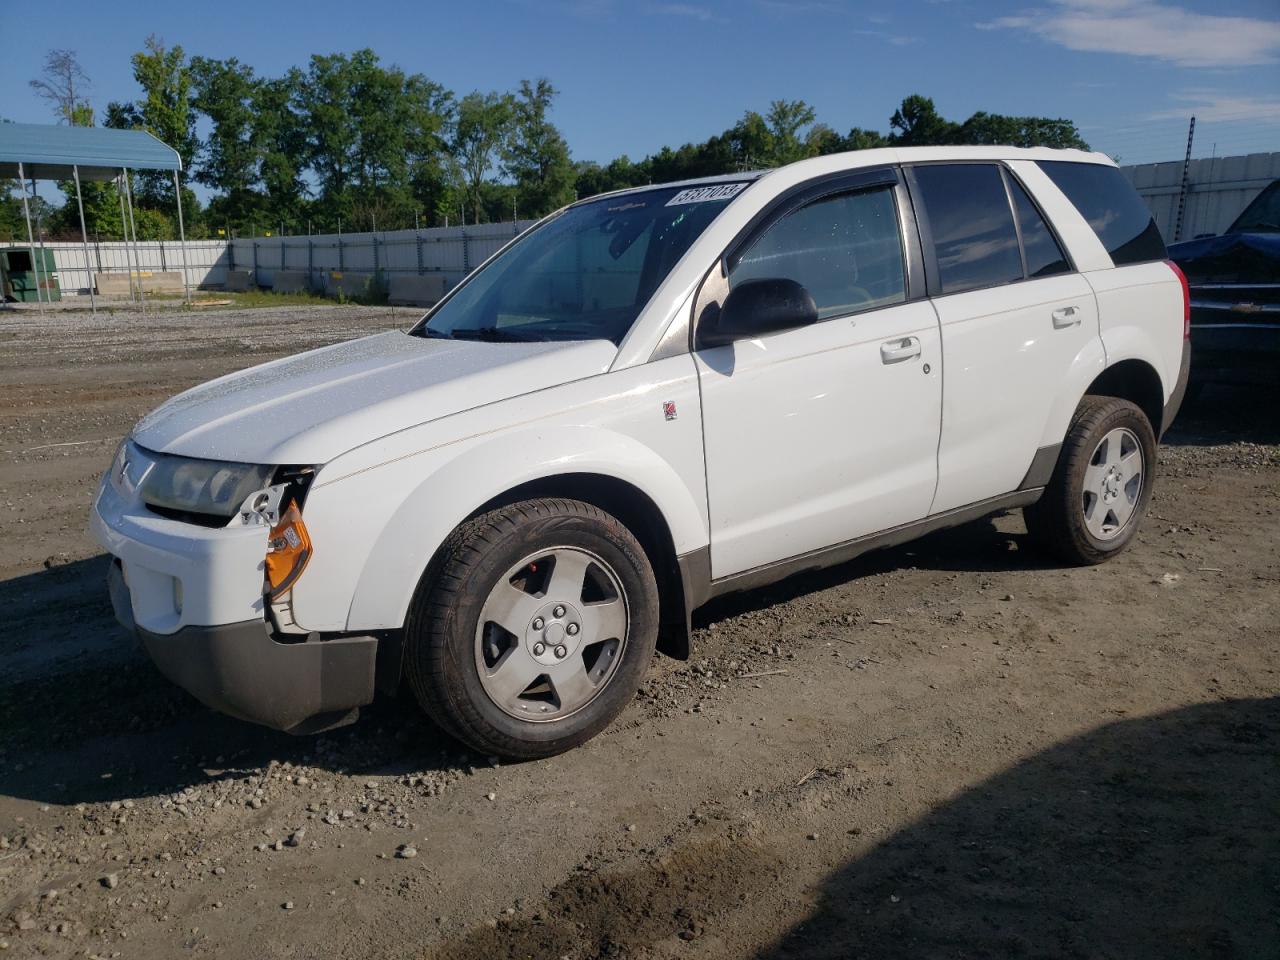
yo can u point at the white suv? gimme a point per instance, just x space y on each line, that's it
651 398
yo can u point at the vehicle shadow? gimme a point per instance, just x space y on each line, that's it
1147 838
979 546
86 717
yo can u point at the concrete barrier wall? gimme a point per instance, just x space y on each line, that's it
347 283
416 291
290 281
117 284
239 280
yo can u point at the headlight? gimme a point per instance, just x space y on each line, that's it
211 487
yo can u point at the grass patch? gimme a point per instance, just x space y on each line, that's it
250 299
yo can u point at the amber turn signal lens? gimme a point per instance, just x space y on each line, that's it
288 550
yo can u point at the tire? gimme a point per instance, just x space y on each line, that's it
1092 506
501 595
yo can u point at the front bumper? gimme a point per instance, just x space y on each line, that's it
239 669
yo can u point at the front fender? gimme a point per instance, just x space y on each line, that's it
377 514
454 491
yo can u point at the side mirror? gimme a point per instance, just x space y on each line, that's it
756 308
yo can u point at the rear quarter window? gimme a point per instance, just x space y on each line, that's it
1113 208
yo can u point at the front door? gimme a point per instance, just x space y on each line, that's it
826 433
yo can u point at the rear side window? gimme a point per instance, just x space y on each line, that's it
1044 255
1113 208
846 250
974 238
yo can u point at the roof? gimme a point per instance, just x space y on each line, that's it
49 152
874 156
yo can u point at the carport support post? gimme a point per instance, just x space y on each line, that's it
133 227
182 237
124 235
84 240
40 264
31 240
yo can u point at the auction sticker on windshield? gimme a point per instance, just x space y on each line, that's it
720 191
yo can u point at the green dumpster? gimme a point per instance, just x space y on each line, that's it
22 268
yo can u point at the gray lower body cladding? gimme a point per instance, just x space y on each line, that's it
241 670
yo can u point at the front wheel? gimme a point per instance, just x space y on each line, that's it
535 630
1101 486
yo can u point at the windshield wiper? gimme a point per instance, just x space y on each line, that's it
488 335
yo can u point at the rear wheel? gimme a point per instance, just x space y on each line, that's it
1101 486
535 630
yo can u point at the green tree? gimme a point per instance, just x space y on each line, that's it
481 130
13 228
279 136
375 138
785 120
165 111
324 99
537 157
751 142
860 139
917 123
225 91
989 128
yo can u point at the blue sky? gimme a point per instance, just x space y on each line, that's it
637 75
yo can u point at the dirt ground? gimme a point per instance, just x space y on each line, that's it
950 749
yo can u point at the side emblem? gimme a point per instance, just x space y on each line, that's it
669 409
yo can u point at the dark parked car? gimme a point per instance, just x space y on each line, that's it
1235 296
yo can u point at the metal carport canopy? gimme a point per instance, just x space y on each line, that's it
49 152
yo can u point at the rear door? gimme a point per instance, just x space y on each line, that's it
823 434
1014 317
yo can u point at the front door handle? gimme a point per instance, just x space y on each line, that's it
895 351
1066 317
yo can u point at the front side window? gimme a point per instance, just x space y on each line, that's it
584 275
846 250
974 239
1119 217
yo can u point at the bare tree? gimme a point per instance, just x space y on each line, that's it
64 84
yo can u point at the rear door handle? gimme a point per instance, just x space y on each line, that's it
895 351
1066 317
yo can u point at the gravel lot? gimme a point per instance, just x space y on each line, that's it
949 749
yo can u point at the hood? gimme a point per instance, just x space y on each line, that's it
1230 258
310 408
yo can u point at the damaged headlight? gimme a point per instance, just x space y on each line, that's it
210 487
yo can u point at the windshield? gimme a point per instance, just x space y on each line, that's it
1262 215
584 275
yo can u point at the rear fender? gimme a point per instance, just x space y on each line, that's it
1084 369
